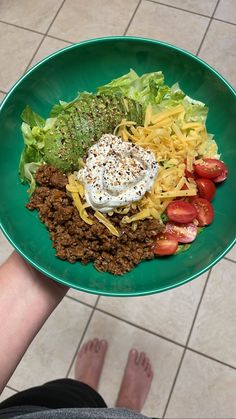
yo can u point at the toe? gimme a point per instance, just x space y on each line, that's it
103 345
141 358
89 345
95 345
133 356
86 346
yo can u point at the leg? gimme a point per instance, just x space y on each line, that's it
136 381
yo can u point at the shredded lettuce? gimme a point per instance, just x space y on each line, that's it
143 89
32 154
150 88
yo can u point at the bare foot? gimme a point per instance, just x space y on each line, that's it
90 361
136 381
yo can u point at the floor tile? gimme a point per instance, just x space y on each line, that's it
7 392
169 314
51 352
2 95
200 6
35 15
214 332
80 20
85 297
219 49
232 253
5 248
204 389
21 45
49 45
164 356
226 10
166 24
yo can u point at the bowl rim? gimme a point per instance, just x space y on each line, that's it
108 39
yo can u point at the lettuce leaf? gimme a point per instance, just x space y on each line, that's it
31 118
31 158
143 89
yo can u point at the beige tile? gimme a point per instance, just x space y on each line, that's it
226 10
165 358
204 389
166 24
199 6
80 20
85 297
7 392
219 49
51 352
169 314
35 15
2 95
21 45
214 332
232 253
49 45
5 248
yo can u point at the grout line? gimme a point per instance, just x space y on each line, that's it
44 36
139 327
80 301
198 307
224 21
229 260
211 358
206 31
185 349
34 31
174 382
82 337
2 91
12 388
21 27
132 18
59 39
179 8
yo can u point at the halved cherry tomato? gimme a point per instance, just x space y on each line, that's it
222 176
205 211
210 168
206 188
181 212
184 233
165 244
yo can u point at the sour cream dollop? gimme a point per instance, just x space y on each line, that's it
116 173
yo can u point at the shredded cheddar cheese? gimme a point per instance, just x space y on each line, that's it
77 192
106 223
176 146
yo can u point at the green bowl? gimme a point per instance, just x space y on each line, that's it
84 67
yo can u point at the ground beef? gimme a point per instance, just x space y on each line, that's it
75 240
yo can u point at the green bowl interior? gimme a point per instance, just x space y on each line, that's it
84 67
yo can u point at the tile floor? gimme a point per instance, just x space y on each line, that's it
190 332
